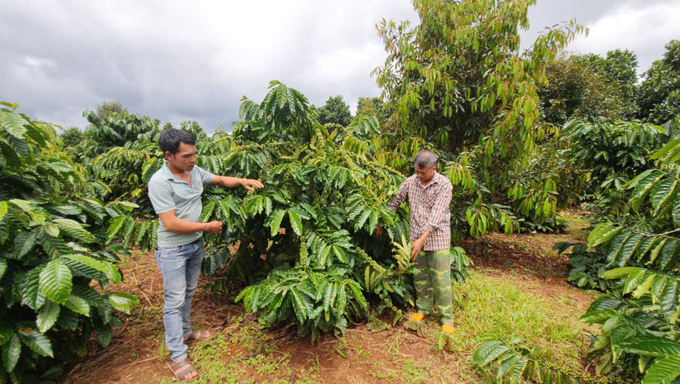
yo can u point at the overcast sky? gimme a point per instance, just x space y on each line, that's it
194 60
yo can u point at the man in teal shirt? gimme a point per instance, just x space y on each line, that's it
175 193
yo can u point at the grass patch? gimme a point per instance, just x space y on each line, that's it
500 307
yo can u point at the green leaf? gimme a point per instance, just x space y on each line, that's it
110 270
3 209
11 352
664 371
665 192
616 245
603 233
665 149
104 336
518 370
276 221
78 305
47 316
617 273
669 299
629 248
633 280
30 292
68 319
598 317
74 230
506 366
123 301
642 189
487 352
14 123
25 241
3 267
37 342
114 227
51 229
649 345
295 222
5 335
55 281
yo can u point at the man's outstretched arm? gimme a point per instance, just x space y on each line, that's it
234 182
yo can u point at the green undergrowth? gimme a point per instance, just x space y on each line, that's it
490 305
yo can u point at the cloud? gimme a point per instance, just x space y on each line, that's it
643 29
194 60
178 60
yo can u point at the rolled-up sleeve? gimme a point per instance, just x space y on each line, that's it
401 196
440 206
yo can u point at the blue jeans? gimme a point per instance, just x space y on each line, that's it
180 267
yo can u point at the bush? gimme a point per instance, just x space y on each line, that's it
639 318
49 255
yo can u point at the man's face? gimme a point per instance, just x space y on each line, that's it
425 174
185 158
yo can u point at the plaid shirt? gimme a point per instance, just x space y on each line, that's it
429 210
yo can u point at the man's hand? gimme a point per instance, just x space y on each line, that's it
250 183
417 246
214 226
378 230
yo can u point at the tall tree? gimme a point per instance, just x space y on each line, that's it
619 68
577 90
372 106
659 97
335 111
72 137
459 82
108 108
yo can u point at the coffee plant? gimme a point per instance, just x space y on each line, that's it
51 249
639 318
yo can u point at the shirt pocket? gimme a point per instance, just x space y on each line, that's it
430 198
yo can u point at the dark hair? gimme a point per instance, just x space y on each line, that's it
170 139
425 159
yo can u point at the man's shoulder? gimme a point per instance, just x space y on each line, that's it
158 178
444 181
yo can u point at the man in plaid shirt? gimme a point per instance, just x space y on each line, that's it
429 194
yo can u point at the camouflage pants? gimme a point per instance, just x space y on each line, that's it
433 284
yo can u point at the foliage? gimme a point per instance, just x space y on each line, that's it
517 363
304 245
587 266
372 106
49 254
320 207
335 111
71 137
114 130
611 154
108 108
576 90
640 318
659 93
619 69
458 84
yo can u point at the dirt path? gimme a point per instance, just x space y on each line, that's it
517 274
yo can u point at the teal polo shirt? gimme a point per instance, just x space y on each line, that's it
168 192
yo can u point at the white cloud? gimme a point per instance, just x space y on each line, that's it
642 29
177 60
